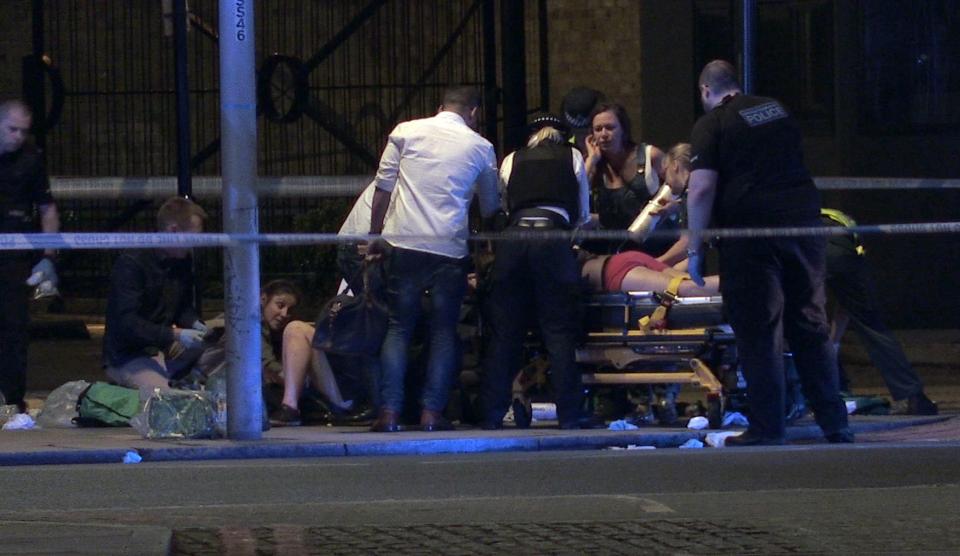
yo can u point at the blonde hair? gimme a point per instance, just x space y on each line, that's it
679 153
546 133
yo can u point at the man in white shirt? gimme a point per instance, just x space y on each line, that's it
433 167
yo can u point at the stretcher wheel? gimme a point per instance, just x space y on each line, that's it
715 411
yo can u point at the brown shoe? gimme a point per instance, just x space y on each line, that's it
431 421
387 421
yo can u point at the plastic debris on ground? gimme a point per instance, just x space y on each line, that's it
632 447
622 425
132 457
693 443
543 411
719 439
20 421
60 408
177 414
735 419
698 423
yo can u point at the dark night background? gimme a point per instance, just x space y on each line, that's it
875 83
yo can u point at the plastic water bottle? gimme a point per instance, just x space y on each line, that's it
645 221
217 387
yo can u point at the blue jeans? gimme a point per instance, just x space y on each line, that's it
410 274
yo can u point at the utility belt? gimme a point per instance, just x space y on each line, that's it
539 219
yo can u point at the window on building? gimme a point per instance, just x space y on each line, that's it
794 52
911 67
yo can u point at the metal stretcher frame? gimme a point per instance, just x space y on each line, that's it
617 351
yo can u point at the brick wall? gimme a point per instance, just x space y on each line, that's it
597 44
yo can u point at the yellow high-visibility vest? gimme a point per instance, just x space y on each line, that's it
846 221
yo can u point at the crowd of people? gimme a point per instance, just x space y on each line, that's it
583 169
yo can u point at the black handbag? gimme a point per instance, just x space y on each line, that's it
353 324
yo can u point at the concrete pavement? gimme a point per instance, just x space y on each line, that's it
110 445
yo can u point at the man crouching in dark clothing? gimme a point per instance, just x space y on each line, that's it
153 331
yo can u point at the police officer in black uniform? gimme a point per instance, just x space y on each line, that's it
748 171
24 193
546 189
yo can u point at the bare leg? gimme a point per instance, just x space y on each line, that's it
326 382
298 358
644 279
711 286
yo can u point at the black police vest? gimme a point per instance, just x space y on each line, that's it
543 177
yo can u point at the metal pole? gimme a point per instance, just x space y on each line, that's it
184 185
491 92
749 33
513 64
543 28
34 92
241 268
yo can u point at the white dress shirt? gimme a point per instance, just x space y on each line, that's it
436 165
358 221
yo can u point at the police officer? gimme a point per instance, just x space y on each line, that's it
748 171
546 189
24 192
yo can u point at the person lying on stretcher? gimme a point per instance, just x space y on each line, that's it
638 271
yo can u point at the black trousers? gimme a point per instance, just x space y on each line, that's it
852 287
532 280
14 317
773 289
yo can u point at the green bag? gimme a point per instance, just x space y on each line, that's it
106 405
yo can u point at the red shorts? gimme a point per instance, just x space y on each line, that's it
616 267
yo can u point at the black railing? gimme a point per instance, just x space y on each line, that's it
333 76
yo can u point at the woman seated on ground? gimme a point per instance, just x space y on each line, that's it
297 360
638 271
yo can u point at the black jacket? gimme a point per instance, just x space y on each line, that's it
148 294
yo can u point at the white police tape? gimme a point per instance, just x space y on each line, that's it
210 187
839 183
95 241
203 187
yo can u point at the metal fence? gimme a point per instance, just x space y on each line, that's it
334 76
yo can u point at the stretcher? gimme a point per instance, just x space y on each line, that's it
688 343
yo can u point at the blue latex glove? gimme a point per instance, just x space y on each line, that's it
43 271
190 338
199 325
693 268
